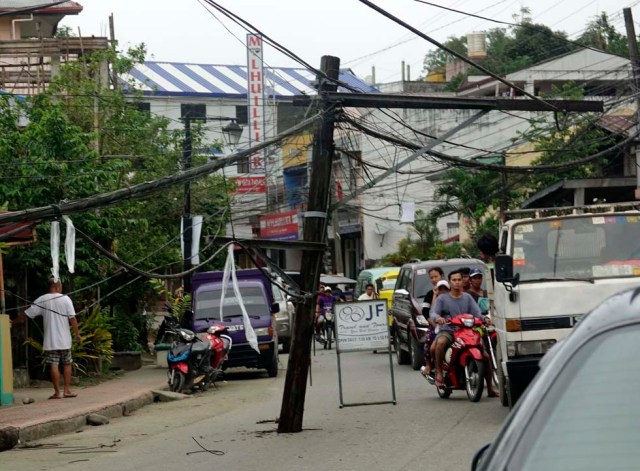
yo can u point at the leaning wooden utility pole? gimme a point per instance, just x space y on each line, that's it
635 70
315 230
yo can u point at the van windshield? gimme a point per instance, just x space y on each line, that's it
207 303
589 247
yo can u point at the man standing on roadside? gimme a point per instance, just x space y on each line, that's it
57 313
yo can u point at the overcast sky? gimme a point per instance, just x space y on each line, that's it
186 31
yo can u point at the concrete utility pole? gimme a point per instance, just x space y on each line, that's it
635 66
315 230
186 217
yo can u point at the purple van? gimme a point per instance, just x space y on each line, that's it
260 306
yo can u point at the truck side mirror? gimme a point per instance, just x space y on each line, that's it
275 307
504 270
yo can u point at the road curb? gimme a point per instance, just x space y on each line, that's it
12 436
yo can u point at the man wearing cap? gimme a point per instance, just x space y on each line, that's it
475 290
324 306
449 305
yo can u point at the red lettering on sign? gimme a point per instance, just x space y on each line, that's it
256 88
255 41
255 76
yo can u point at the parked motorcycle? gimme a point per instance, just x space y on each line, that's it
464 364
195 361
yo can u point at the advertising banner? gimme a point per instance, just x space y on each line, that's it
280 226
256 103
362 326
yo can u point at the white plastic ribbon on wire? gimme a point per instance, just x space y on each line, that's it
55 250
230 273
70 244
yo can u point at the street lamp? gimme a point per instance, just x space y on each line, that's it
232 133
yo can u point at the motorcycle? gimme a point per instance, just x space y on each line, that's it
464 363
195 361
328 332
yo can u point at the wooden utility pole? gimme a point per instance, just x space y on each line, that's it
635 65
315 230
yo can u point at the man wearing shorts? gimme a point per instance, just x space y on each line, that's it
449 305
57 314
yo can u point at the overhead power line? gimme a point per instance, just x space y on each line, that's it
147 188
456 54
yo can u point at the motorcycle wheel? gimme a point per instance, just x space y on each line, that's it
475 384
444 393
329 336
177 382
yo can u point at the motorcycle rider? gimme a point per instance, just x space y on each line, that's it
449 305
436 274
324 305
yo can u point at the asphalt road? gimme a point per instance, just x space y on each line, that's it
236 423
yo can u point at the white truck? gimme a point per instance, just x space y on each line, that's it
554 266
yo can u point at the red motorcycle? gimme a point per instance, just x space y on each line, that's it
464 363
220 346
195 361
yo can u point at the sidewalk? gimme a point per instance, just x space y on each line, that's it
46 417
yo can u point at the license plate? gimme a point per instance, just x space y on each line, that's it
233 328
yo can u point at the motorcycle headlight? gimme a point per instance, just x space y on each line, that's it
187 335
468 322
421 320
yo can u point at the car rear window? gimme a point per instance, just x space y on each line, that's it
590 417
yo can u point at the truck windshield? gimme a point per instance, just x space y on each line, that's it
207 303
589 247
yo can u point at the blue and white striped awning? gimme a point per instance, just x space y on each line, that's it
207 80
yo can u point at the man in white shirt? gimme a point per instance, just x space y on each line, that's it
57 314
369 293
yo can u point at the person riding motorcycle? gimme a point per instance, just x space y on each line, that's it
447 306
323 305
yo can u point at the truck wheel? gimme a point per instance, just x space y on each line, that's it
416 354
401 355
272 370
502 382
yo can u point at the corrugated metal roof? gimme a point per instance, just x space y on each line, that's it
208 80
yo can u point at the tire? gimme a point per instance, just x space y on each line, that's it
444 393
502 382
474 370
272 370
417 358
286 345
329 336
402 356
177 383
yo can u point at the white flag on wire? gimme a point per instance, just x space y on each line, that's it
230 273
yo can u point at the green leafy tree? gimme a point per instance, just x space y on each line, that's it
427 231
600 33
84 137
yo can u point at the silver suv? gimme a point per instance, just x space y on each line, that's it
284 318
412 285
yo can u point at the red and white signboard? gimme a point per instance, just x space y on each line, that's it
280 226
255 96
251 184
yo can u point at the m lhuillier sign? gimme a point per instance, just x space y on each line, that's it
255 96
